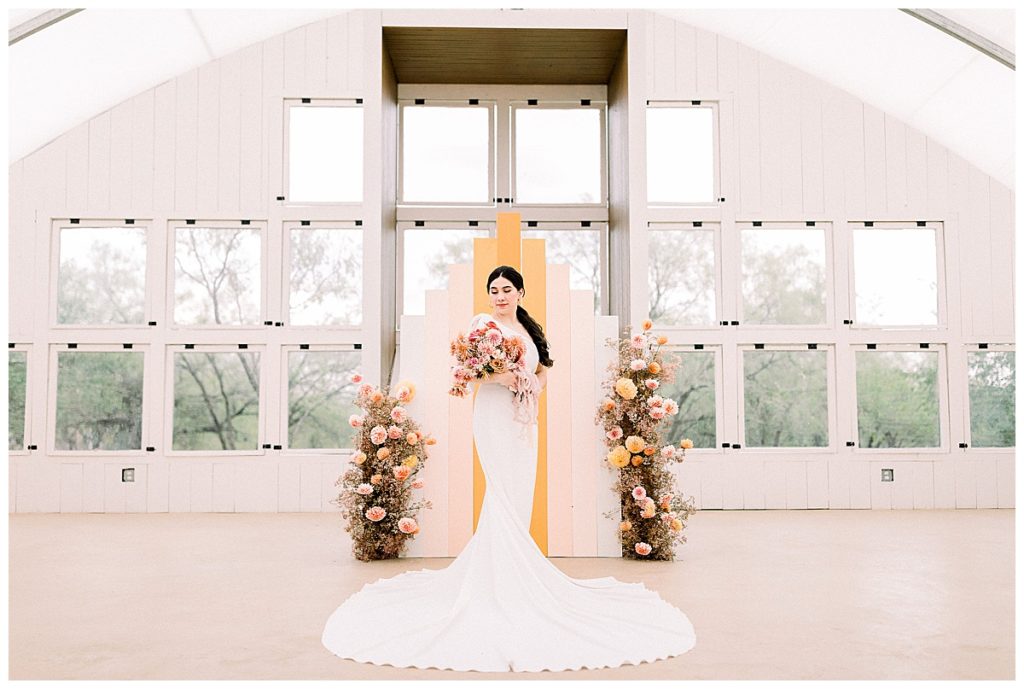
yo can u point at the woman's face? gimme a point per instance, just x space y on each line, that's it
504 296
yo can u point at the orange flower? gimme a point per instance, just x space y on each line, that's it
662 339
383 453
625 526
430 441
686 443
647 324
648 451
637 460
654 367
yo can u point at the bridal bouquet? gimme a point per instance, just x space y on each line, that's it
484 351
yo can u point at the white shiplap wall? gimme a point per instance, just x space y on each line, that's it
208 144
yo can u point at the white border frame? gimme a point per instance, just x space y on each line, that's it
287 103
716 152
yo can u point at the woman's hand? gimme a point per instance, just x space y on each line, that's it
507 379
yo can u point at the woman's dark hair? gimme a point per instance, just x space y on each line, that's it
532 326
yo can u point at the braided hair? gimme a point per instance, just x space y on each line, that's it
532 327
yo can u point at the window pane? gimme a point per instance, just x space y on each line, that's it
16 370
581 250
694 391
321 398
217 276
991 386
445 154
680 155
785 398
216 400
681 277
895 276
99 401
427 253
558 155
326 276
783 276
897 399
325 154
102 275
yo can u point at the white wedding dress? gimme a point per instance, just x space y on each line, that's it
501 605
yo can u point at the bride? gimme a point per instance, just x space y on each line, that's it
501 605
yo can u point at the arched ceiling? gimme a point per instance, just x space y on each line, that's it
935 83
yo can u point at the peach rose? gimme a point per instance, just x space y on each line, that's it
626 525
626 388
686 443
394 432
398 414
607 404
639 493
401 472
651 384
376 479
637 460
411 438
364 489
376 396
376 513
359 457
378 434
408 525
642 548
634 443
648 451
615 433
355 420
383 453
676 525
618 457
654 367
637 341
637 365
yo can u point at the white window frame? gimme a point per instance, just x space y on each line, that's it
285 181
716 149
53 287
491 106
830 396
824 226
968 437
285 288
285 352
554 104
503 95
169 392
265 274
944 416
942 313
51 406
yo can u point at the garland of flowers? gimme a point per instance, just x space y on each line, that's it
632 410
377 488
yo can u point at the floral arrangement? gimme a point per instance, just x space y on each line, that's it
484 351
630 414
377 488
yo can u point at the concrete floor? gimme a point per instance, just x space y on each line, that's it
807 594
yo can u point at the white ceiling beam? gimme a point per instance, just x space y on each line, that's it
962 33
37 23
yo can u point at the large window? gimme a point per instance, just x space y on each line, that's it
324 151
682 153
682 273
447 153
101 275
320 397
558 154
785 397
426 251
325 274
17 387
216 395
991 390
695 391
895 275
897 398
783 275
218 277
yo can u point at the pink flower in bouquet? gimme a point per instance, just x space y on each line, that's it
668 452
378 434
638 341
670 406
365 389
408 525
355 420
376 396
401 472
652 384
639 493
665 517
412 437
666 501
394 432
637 365
642 548
657 412
399 414
656 401
376 513
615 433
355 378
364 489
417 484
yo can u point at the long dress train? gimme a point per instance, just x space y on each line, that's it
501 605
